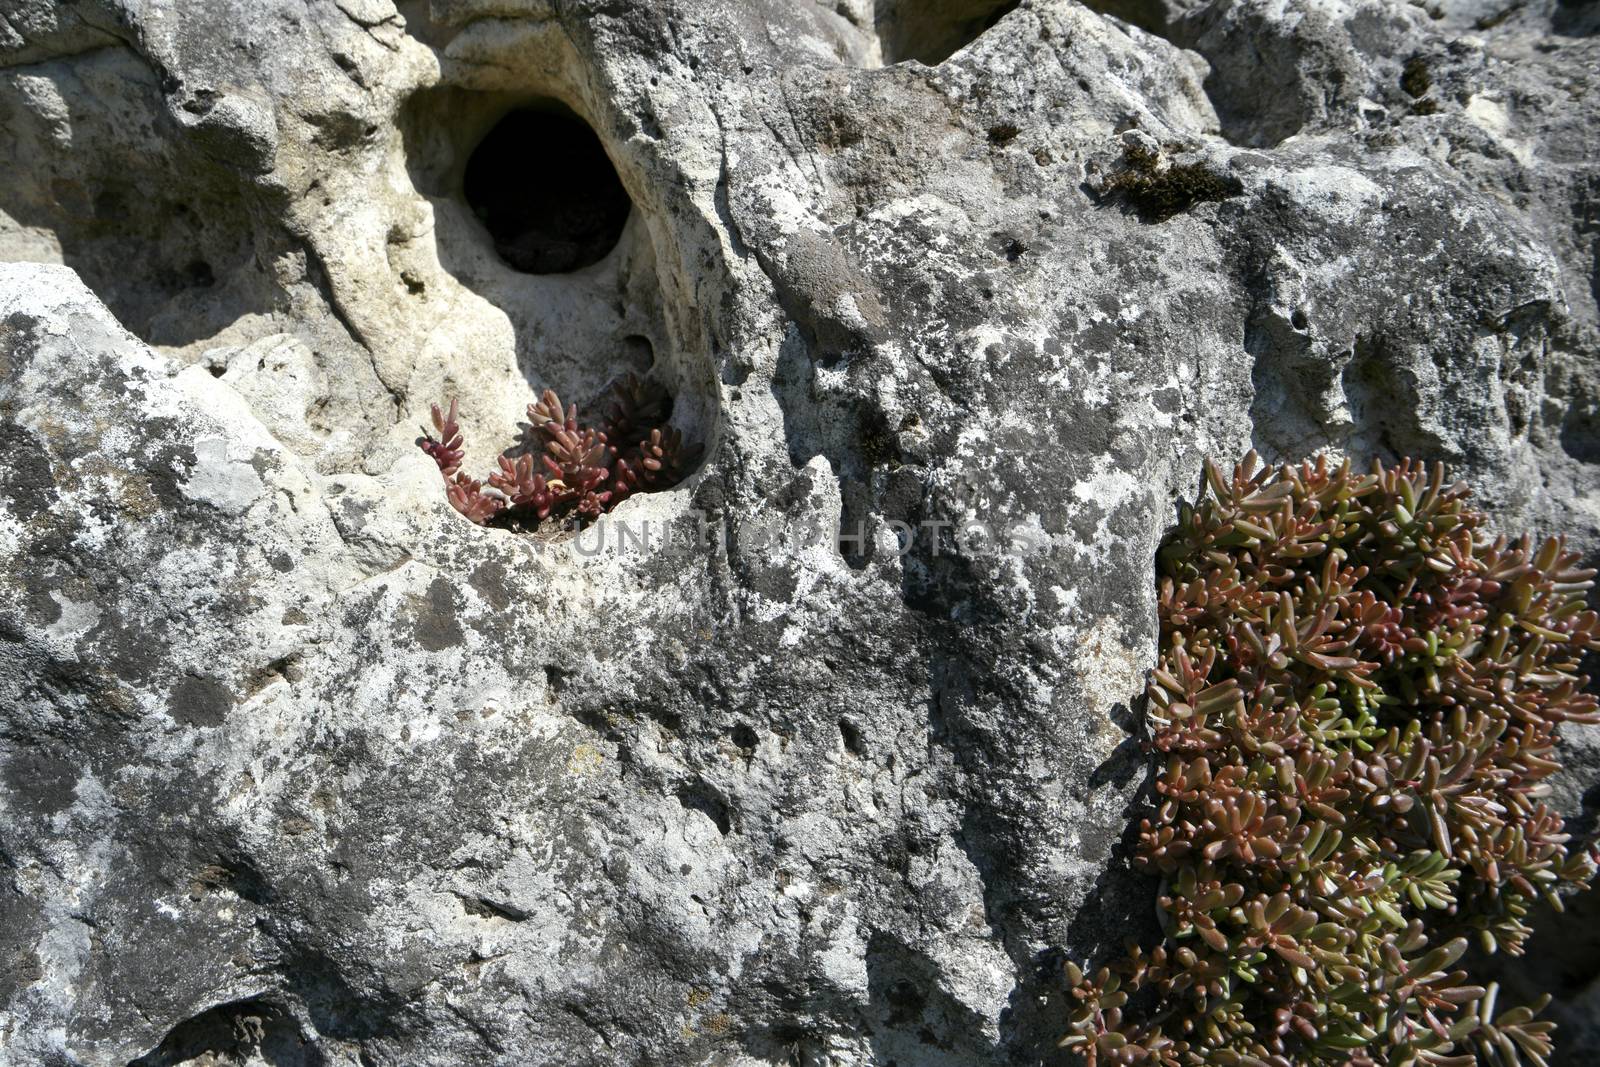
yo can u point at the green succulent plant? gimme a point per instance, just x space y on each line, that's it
1355 709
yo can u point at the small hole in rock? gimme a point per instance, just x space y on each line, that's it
638 353
199 275
851 734
555 683
698 797
243 1031
1298 319
744 737
545 188
932 32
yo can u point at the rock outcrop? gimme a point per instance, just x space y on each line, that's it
300 767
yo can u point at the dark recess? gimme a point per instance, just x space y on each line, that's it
545 188
255 1031
931 31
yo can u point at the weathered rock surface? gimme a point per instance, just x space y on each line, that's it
299 767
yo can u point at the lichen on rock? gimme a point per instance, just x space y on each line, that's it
299 765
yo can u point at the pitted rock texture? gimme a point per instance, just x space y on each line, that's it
299 767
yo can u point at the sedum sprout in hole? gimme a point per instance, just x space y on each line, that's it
570 467
1354 713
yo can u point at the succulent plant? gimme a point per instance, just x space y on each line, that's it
1355 711
570 467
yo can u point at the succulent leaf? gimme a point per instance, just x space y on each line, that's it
1355 710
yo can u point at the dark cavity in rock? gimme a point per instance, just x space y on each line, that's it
545 188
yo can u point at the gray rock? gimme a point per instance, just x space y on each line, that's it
299 767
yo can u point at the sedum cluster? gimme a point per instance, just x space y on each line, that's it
1354 712
568 466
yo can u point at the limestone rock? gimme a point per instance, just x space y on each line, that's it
300 767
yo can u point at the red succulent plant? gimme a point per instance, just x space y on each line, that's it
1356 706
570 468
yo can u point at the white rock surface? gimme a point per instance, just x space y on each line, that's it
298 767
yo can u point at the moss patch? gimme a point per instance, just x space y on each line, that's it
1159 193
1415 79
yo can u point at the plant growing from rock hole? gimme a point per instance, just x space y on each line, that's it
569 467
1356 707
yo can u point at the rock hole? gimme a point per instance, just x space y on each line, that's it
1575 18
284 669
503 199
850 733
1580 431
745 738
191 244
484 908
853 540
555 683
246 1031
670 721
234 874
638 354
699 798
931 31
199 275
417 20
542 184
